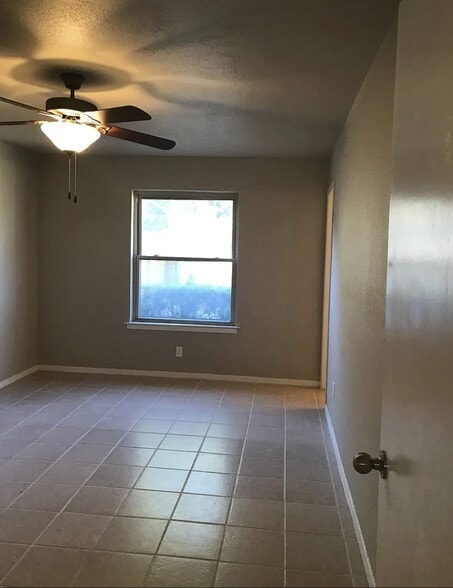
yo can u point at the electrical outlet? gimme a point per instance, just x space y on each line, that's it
178 350
333 389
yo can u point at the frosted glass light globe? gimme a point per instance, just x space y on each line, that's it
70 136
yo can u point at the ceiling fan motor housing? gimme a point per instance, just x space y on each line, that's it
66 103
70 105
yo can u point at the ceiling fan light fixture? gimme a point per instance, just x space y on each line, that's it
70 136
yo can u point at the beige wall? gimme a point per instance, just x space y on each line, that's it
84 282
362 175
18 261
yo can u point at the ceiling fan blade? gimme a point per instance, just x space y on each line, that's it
142 138
28 107
119 114
11 123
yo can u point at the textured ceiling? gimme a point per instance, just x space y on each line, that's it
221 77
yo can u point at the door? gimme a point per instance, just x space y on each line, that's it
415 521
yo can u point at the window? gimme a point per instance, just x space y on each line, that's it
184 258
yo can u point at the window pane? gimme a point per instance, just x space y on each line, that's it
187 228
185 290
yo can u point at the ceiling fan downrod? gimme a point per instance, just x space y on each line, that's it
73 82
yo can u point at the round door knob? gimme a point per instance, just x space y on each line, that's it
364 463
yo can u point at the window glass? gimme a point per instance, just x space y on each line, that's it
185 290
187 228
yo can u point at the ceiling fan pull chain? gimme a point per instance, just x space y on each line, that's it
69 176
75 177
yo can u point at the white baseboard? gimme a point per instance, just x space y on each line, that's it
188 375
18 376
349 500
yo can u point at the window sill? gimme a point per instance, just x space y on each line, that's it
142 326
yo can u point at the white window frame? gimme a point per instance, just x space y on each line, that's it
183 325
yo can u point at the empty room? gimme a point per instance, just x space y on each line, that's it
225 313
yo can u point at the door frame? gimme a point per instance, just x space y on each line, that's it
326 289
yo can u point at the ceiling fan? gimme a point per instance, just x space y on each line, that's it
77 124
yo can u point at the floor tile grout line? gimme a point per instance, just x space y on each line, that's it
230 501
162 392
72 389
66 504
37 412
157 518
152 555
37 441
5 408
117 445
47 469
185 483
154 449
48 386
101 418
343 534
125 432
222 541
182 557
170 518
42 384
104 415
36 481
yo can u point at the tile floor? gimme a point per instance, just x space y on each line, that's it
109 481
